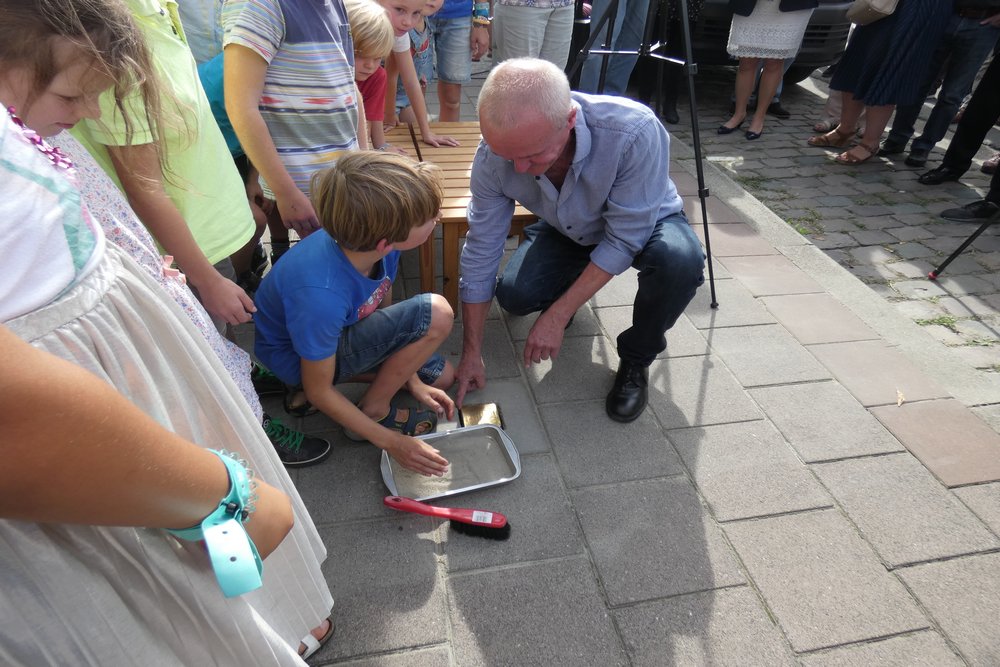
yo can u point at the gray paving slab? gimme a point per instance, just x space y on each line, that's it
520 415
903 511
697 391
984 500
734 239
652 539
737 307
439 656
770 274
765 355
747 470
821 581
619 291
817 318
348 486
592 449
584 324
498 351
393 598
728 626
920 649
823 422
585 369
963 597
683 340
542 522
548 613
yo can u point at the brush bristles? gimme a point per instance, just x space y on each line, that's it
477 530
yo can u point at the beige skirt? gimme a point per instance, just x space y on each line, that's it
86 595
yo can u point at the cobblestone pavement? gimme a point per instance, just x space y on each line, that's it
874 219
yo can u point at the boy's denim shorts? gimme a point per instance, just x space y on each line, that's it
451 48
366 344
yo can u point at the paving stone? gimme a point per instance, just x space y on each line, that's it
540 514
346 486
912 250
716 209
964 263
944 334
821 581
963 596
653 538
978 356
548 613
498 351
619 291
697 391
875 273
834 240
438 656
975 330
920 649
873 255
911 233
585 369
958 447
817 318
735 239
737 307
583 438
984 500
747 470
773 274
919 289
875 373
902 511
872 237
723 627
912 269
388 589
920 310
765 355
955 283
520 416
823 422
967 306
683 340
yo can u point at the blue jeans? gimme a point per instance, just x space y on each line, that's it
630 22
451 49
962 49
366 344
670 269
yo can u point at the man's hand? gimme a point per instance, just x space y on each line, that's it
479 41
416 455
470 376
297 213
545 338
224 298
437 140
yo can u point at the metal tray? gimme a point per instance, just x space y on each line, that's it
480 456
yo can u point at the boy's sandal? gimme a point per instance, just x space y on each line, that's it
832 139
303 409
849 157
417 422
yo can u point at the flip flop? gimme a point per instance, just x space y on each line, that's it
409 426
312 644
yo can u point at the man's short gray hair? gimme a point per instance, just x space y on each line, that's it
519 86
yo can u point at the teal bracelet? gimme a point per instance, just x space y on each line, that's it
234 556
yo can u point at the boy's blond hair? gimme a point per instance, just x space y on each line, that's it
368 196
371 29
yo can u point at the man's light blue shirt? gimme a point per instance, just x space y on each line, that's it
617 188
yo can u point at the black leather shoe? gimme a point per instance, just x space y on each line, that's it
892 147
977 211
940 175
917 157
775 109
627 399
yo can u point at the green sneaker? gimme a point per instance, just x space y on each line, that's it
295 449
265 383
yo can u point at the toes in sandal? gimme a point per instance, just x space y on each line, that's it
832 139
825 126
417 422
312 644
303 409
849 157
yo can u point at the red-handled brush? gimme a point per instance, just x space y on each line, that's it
481 523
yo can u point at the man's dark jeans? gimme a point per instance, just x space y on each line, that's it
982 111
670 271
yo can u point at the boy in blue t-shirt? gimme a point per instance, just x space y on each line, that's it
327 315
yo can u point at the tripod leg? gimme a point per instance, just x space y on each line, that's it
933 275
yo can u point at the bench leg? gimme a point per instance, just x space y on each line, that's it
427 265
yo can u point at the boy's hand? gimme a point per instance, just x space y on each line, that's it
434 398
389 122
297 213
417 455
436 140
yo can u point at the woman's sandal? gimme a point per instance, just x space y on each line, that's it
312 644
832 139
847 157
415 419
825 126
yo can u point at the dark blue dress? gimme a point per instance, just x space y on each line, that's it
886 61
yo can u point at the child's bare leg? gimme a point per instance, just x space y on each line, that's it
450 101
401 366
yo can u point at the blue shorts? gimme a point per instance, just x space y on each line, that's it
452 50
366 344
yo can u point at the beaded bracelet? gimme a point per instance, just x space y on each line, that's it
234 556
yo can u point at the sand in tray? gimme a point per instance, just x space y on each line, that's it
476 457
